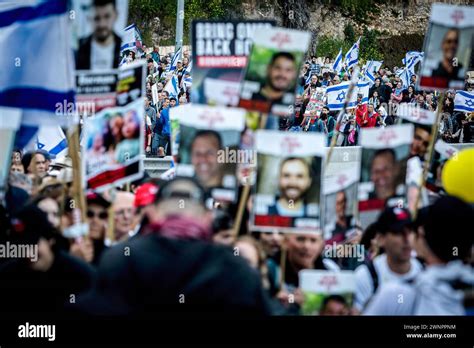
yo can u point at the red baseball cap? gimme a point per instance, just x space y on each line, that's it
145 195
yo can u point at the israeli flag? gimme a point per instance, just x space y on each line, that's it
372 67
187 82
189 68
128 39
363 88
352 56
336 95
172 86
464 101
174 61
405 76
337 66
37 59
53 140
412 55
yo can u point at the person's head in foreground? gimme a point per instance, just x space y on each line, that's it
222 228
334 305
97 215
124 214
304 249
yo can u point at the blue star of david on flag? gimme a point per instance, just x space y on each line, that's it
464 101
341 96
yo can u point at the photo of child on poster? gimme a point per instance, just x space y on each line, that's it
113 145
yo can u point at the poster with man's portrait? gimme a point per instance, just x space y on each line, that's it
448 47
270 78
209 147
288 189
341 177
113 145
97 26
385 152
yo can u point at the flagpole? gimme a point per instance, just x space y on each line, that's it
179 27
426 164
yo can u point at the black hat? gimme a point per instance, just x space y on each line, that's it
173 189
393 219
446 224
31 224
95 198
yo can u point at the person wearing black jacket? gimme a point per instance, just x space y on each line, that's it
174 269
101 50
43 284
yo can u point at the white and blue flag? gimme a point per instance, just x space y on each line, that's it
172 86
464 101
174 61
363 88
336 96
405 76
53 140
411 55
337 66
35 38
352 56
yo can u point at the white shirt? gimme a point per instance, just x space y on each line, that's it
102 57
364 282
430 294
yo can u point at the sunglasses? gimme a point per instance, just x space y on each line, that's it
102 215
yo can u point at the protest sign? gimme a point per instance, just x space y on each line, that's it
341 177
98 90
447 47
442 152
269 82
209 140
220 55
96 30
385 152
321 288
113 146
287 194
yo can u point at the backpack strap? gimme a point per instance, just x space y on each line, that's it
373 274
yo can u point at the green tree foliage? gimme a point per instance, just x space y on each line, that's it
142 12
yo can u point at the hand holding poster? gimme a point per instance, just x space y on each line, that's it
209 140
220 55
385 152
448 47
290 165
326 292
270 79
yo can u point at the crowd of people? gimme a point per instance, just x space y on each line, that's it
385 95
155 247
159 73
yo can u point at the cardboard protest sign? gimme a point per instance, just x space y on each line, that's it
341 177
385 152
287 194
269 82
442 152
220 51
320 286
114 143
447 47
209 140
98 90
96 30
